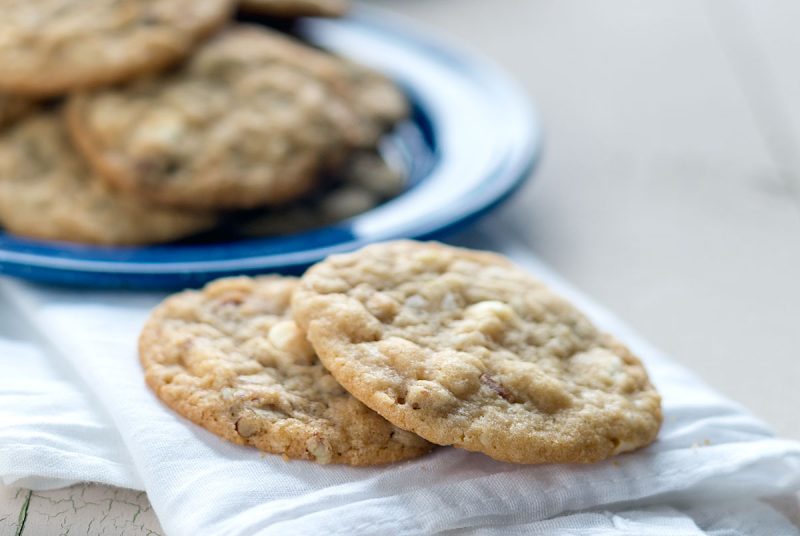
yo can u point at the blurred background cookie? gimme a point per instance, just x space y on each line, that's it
295 8
374 102
362 183
13 107
48 192
50 47
242 124
276 134
377 99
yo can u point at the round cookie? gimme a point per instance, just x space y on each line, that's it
51 47
230 359
239 126
12 107
295 8
48 192
466 349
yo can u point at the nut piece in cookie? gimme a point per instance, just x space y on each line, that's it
231 359
48 192
464 348
251 119
295 8
51 47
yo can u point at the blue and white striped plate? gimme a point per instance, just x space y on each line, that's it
472 140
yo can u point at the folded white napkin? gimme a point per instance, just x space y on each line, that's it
96 420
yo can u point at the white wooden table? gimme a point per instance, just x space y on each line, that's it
670 191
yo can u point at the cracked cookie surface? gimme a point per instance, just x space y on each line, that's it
47 191
466 349
248 121
50 47
231 359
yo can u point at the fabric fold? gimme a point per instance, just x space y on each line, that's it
52 433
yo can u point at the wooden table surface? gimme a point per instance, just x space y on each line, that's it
669 191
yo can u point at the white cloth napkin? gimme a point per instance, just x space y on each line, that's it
74 406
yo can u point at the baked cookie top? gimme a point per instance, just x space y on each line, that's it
374 101
230 359
12 107
242 124
296 8
50 47
466 349
48 192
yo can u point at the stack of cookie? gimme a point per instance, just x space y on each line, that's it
375 356
141 121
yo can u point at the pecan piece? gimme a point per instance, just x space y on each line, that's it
497 387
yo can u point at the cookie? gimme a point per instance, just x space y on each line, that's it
370 172
239 126
375 101
48 192
230 359
464 348
363 183
12 107
295 8
51 47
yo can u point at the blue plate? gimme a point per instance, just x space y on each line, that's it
471 142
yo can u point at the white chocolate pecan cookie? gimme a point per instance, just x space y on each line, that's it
48 192
466 349
295 8
244 123
374 101
231 359
50 47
